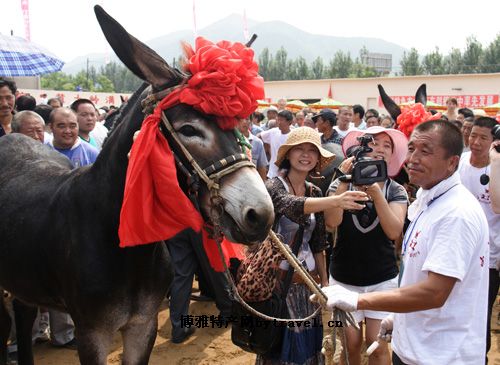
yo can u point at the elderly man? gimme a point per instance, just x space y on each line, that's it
441 305
8 91
30 124
64 126
344 121
258 153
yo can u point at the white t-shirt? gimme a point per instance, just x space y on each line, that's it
342 133
470 176
450 238
99 133
274 138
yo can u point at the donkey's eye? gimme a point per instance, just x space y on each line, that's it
189 131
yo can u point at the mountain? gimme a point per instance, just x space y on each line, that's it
272 34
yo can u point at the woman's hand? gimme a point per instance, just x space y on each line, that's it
349 200
374 192
346 166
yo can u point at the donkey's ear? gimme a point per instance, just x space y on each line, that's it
421 95
139 58
389 104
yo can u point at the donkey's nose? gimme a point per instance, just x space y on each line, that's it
258 221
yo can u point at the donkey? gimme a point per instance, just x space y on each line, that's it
59 245
393 108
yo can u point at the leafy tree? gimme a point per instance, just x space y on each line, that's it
341 65
359 70
302 69
317 69
279 65
472 55
265 63
410 63
433 63
491 57
454 62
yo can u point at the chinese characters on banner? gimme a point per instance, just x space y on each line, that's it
26 16
464 101
67 97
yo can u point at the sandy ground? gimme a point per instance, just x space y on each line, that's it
206 346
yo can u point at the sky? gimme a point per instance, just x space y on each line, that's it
68 28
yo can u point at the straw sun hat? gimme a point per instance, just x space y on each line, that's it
304 135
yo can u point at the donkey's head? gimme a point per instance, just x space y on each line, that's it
393 109
246 210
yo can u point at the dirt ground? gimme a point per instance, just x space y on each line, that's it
206 346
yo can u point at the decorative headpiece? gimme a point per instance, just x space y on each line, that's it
413 115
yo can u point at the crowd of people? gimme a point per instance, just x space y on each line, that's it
415 257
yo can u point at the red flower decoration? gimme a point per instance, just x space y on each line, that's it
224 82
413 115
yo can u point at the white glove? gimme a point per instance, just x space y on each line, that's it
341 298
385 332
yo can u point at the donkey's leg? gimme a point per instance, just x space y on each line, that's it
138 342
5 323
93 345
24 315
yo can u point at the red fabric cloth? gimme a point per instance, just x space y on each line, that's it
224 83
229 249
413 115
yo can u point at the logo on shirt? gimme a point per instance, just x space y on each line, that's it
485 197
413 245
481 259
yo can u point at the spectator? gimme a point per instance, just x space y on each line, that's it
299 119
275 137
466 129
343 121
495 178
25 102
451 109
464 113
308 122
259 158
271 113
8 91
371 113
324 121
256 118
444 279
474 171
363 258
30 124
64 128
87 117
387 122
281 104
372 122
44 111
358 112
298 205
55 102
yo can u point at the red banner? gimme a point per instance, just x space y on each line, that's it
26 16
464 101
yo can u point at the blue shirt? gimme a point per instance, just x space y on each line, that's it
81 154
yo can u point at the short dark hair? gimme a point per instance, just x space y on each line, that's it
25 102
44 111
453 100
373 111
74 106
258 116
57 99
466 112
451 137
358 109
286 114
10 84
486 122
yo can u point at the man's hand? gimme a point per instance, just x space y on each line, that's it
385 332
339 297
136 134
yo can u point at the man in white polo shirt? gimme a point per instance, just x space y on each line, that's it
275 137
440 307
474 173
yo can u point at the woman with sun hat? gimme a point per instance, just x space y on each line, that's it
363 257
298 203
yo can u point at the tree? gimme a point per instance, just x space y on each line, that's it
491 57
433 63
317 69
410 64
302 68
454 63
360 70
340 66
279 66
265 61
472 55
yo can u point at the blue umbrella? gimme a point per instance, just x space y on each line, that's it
18 57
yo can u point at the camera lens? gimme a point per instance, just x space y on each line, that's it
496 131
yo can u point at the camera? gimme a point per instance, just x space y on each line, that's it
496 135
365 170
